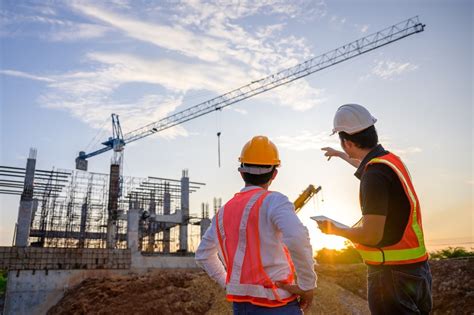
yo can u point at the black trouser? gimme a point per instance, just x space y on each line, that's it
399 289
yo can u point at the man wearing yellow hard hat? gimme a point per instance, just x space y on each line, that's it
256 243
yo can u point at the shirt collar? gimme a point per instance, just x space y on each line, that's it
375 152
247 188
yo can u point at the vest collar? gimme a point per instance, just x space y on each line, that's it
375 152
248 188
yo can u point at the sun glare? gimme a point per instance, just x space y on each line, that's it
320 240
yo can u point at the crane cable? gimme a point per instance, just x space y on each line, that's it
99 133
218 127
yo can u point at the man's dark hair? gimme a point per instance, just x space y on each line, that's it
257 180
365 139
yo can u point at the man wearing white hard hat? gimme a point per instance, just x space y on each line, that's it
389 236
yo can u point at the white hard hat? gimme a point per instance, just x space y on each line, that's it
352 118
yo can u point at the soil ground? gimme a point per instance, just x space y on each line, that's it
341 290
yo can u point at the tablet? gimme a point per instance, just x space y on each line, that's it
324 218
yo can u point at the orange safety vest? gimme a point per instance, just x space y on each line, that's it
239 242
411 248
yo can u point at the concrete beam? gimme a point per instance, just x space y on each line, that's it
176 217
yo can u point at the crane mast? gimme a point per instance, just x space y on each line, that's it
348 51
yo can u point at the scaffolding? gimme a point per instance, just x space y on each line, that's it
71 210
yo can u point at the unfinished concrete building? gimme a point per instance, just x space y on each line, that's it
78 209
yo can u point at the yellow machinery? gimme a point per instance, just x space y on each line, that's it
305 196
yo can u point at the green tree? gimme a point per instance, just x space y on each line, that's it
3 281
451 252
347 255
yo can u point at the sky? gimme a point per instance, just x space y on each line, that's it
65 66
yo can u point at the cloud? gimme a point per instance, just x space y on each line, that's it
197 10
170 37
45 22
406 151
269 30
240 110
337 20
173 75
390 69
306 140
133 115
189 47
20 74
298 95
78 31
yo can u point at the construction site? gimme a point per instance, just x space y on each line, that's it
111 243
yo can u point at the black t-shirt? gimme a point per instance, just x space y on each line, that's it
382 193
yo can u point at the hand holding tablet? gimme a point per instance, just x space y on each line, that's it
320 218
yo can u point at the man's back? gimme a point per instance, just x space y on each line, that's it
260 240
278 226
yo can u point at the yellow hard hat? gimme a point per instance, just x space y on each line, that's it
260 151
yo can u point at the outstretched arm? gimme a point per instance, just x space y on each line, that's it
330 152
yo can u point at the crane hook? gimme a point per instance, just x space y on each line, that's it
219 148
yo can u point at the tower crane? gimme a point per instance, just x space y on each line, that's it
348 51
343 53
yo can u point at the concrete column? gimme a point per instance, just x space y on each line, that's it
204 224
151 225
183 227
23 223
166 211
82 227
132 230
114 191
25 210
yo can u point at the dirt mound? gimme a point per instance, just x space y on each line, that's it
341 290
159 292
453 286
453 283
350 277
180 292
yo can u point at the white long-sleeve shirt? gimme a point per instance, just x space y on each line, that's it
278 224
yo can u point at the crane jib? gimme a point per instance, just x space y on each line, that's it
348 51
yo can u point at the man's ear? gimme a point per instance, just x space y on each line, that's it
349 144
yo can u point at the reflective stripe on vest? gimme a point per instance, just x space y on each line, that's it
242 244
272 296
374 255
221 234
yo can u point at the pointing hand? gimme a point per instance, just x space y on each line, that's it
330 152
